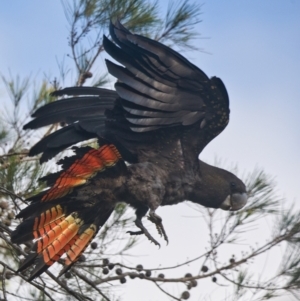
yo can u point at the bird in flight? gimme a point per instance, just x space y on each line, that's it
150 132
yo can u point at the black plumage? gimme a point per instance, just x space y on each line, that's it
163 113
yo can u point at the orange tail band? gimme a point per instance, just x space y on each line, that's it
80 245
47 221
60 232
94 161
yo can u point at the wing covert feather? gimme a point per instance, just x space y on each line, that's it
161 89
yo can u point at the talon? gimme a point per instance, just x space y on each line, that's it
135 232
147 234
143 230
157 220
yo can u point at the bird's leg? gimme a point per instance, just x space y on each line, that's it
140 213
157 220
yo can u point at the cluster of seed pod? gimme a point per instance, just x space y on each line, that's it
142 273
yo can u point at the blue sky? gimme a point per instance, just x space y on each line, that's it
254 46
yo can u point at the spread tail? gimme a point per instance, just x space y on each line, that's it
57 219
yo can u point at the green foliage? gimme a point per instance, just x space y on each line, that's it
242 278
16 88
89 20
262 197
3 134
42 95
179 23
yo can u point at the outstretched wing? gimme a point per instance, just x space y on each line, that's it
83 115
160 90
158 94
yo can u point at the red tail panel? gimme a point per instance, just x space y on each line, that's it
65 249
54 248
80 245
63 228
47 228
47 220
95 160
67 227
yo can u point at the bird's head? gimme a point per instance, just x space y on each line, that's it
218 188
237 198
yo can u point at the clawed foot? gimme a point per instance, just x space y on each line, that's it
157 220
143 230
135 232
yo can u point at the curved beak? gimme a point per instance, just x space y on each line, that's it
235 201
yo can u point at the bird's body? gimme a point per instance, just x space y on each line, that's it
150 132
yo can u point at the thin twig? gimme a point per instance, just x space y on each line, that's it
3 282
255 286
24 153
165 292
91 283
67 289
11 194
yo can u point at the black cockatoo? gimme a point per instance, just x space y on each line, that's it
162 114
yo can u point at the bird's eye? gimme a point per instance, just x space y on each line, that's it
232 184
